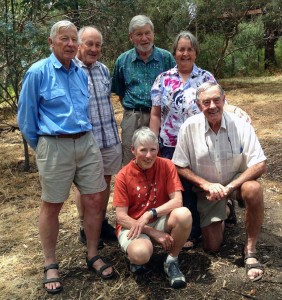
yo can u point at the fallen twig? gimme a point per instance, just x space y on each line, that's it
239 293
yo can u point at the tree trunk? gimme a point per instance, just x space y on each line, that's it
26 156
269 48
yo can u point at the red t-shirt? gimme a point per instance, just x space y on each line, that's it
141 190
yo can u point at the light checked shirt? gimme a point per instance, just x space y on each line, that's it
133 78
177 100
53 101
217 157
101 112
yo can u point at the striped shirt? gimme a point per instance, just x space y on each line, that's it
217 157
101 111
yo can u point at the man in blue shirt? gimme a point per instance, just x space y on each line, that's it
53 118
134 74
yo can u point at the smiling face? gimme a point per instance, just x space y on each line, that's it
211 103
145 155
90 47
143 39
185 55
64 45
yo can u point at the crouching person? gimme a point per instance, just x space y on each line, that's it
148 201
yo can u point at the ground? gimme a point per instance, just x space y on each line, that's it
208 277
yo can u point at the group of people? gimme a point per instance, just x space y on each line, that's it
185 150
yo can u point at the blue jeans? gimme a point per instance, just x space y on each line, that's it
189 197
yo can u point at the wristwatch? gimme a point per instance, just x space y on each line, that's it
230 187
154 212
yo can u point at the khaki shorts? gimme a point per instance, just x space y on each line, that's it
212 211
112 157
63 161
124 242
131 121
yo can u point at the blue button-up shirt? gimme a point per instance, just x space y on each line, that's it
53 101
133 78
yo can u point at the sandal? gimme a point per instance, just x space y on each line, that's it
231 219
50 280
248 267
99 272
194 242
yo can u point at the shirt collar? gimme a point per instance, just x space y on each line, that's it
57 64
81 64
222 125
153 55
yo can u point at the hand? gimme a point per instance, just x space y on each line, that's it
138 226
242 114
215 191
163 238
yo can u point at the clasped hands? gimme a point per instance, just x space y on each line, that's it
216 191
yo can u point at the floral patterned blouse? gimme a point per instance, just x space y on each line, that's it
177 100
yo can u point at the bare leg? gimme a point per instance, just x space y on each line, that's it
48 232
140 251
105 196
212 236
252 194
93 217
179 225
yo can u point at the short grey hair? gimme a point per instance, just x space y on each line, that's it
205 86
144 135
65 24
85 28
189 36
139 21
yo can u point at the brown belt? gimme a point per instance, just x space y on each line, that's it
73 136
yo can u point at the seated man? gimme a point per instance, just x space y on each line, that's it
220 154
148 201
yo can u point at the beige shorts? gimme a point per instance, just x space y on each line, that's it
212 211
112 157
63 161
124 242
131 121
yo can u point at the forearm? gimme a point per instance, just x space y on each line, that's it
192 177
155 120
252 173
172 204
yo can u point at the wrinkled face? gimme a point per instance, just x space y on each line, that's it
185 54
64 45
143 38
145 155
90 48
211 103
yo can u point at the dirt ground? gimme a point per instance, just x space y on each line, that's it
208 277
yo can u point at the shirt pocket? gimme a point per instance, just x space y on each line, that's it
53 94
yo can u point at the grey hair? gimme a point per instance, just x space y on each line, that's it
189 36
142 136
85 28
57 27
205 86
139 21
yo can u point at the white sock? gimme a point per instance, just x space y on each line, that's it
171 258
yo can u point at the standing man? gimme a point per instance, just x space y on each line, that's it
134 74
148 202
53 118
102 118
221 155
